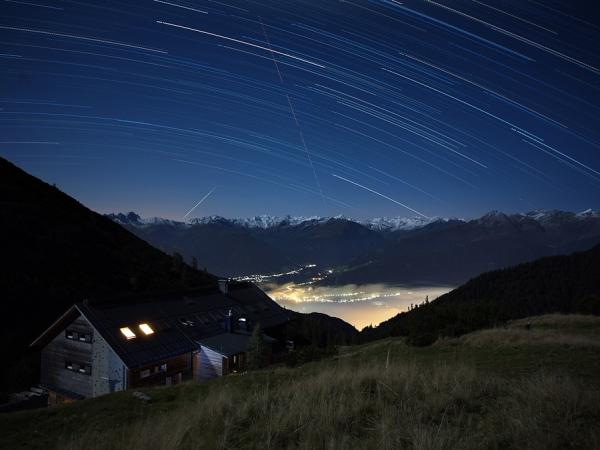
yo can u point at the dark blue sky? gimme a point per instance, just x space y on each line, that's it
361 108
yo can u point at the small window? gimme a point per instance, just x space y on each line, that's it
186 322
145 373
146 329
161 368
76 336
127 333
85 369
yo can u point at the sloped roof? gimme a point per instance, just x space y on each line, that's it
228 344
257 305
179 319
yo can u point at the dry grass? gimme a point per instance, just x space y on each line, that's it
502 388
575 331
391 406
560 320
512 337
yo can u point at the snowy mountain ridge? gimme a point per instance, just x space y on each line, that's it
266 221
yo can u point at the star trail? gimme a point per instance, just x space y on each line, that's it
360 108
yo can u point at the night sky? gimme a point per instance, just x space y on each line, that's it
360 108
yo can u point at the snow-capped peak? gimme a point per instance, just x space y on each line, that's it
398 223
589 213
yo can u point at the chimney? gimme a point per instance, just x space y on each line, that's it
224 286
229 322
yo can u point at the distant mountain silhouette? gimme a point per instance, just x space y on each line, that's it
455 251
442 251
224 249
331 242
556 284
231 248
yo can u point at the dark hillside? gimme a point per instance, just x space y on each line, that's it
556 284
224 249
56 251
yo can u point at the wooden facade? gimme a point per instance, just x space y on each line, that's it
165 372
210 364
63 362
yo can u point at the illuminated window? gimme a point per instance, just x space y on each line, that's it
146 328
145 373
127 333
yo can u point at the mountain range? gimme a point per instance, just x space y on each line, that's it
391 250
265 221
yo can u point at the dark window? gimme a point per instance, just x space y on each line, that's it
186 321
85 369
145 373
76 336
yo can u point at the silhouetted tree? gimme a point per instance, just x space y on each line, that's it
258 351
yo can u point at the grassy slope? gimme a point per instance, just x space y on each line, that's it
507 387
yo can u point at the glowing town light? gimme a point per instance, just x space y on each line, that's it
127 333
146 329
